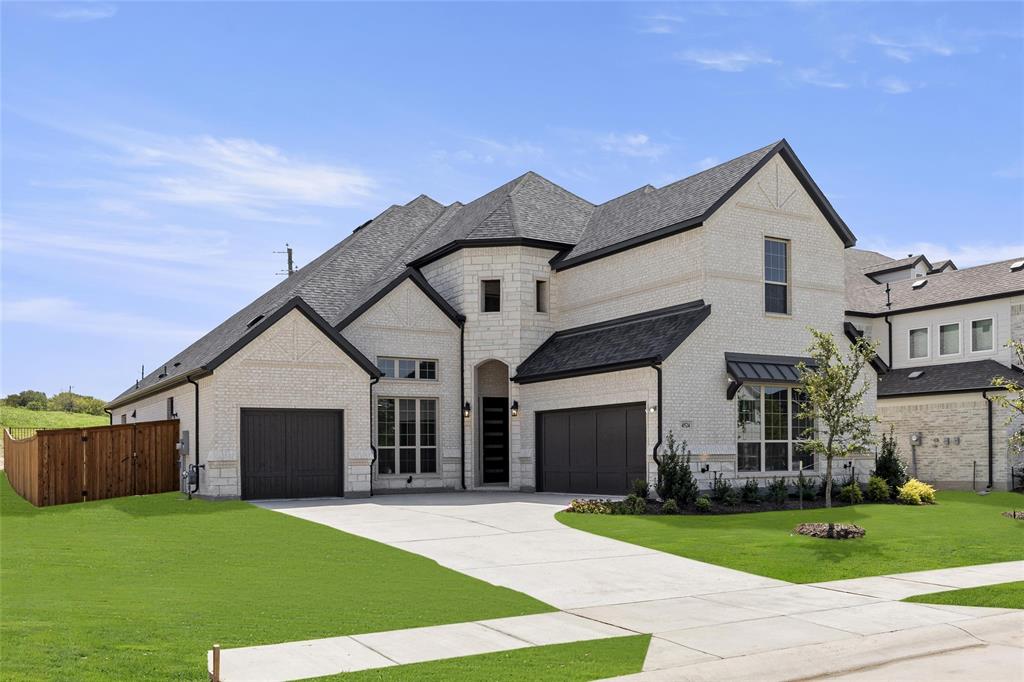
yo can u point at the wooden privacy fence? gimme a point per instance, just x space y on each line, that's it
74 465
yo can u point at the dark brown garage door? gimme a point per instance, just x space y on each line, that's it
597 450
291 453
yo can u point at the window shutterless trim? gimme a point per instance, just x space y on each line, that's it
418 436
928 343
483 295
959 338
763 442
397 359
992 342
788 255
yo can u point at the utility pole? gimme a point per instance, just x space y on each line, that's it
291 263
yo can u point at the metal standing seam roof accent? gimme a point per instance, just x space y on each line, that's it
624 343
744 367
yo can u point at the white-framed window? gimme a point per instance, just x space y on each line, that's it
918 343
949 338
406 436
408 368
776 276
490 295
124 418
770 433
982 335
541 297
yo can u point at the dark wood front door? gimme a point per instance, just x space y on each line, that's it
494 439
291 453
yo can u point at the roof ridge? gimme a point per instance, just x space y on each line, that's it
765 149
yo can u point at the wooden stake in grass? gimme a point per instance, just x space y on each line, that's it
215 673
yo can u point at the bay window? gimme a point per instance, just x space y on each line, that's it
770 432
406 436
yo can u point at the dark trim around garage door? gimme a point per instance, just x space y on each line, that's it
538 435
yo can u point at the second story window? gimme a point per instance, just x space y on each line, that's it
919 343
407 368
981 335
542 296
776 276
949 339
490 296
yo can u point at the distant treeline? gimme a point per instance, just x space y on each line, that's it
65 401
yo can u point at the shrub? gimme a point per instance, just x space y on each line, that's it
703 504
731 497
916 492
878 490
889 466
675 478
804 487
751 491
720 488
669 507
590 506
777 491
634 505
640 488
851 494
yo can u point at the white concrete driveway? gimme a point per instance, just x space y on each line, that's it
513 540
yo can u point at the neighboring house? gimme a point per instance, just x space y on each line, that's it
526 340
942 335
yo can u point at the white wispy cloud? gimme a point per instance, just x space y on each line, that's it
81 11
820 78
69 315
894 86
905 50
477 149
1014 171
631 144
964 255
660 23
731 61
706 162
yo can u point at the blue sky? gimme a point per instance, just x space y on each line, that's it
156 155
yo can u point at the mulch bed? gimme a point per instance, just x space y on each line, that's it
830 531
1015 514
654 507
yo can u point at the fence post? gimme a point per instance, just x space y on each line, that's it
215 672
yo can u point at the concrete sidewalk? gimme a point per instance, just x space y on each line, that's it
707 622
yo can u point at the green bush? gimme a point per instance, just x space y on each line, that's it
889 466
590 506
916 492
751 491
777 491
634 505
720 488
703 504
731 498
675 477
878 490
640 488
669 506
851 494
805 487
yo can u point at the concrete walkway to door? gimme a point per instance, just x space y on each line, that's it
513 540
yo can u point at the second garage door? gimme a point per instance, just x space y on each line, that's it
292 453
597 450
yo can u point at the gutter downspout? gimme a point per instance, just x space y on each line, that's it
889 324
991 481
462 401
110 414
195 434
373 446
654 452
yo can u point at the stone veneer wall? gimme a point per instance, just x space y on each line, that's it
943 420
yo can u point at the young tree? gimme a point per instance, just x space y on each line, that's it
833 398
1013 399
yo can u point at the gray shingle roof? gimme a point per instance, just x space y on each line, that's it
529 208
633 341
975 375
944 288
899 264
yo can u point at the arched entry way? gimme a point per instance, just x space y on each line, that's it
492 422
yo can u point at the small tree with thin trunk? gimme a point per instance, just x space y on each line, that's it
833 398
1013 399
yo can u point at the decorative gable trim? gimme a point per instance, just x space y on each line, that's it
421 282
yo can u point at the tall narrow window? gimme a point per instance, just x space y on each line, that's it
170 407
386 436
490 294
981 335
542 296
776 276
918 343
949 339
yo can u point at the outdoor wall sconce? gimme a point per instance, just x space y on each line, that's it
466 409
652 409
705 468
515 408
133 414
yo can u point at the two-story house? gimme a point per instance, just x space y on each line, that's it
941 335
526 340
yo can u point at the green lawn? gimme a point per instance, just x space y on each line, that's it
140 587
962 529
48 419
560 662
1004 595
